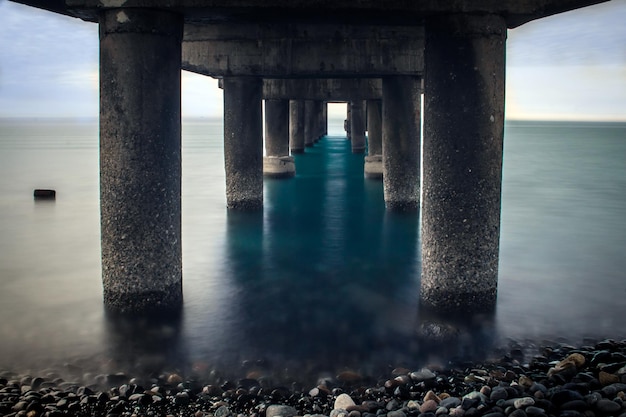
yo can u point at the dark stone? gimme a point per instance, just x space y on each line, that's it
450 402
563 396
579 405
607 406
518 413
571 413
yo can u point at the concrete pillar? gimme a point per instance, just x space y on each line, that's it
463 136
318 112
373 167
277 163
310 126
324 118
401 142
296 126
347 124
243 142
140 160
357 116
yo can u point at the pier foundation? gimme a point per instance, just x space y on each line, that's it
401 142
243 142
373 167
140 160
463 136
277 162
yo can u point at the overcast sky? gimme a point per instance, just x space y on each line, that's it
569 66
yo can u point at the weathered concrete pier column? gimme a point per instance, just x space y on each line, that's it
463 134
296 126
373 167
401 142
140 160
243 142
324 118
318 112
277 163
310 123
357 128
347 123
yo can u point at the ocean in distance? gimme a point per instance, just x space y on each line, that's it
323 278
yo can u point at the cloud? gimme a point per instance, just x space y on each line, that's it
593 35
566 92
568 65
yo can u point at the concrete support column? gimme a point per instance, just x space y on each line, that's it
140 160
347 124
373 167
324 118
357 116
463 137
401 142
318 112
310 123
277 162
243 142
296 126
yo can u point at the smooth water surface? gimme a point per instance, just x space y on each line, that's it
323 278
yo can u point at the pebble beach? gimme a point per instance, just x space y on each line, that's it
556 380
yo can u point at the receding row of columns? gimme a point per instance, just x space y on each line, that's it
140 155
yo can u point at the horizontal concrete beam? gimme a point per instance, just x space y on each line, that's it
515 12
329 89
303 50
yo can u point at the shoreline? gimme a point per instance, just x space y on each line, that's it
557 380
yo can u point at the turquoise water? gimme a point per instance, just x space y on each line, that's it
323 278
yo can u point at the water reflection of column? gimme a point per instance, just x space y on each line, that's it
145 347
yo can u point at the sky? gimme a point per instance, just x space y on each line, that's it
570 66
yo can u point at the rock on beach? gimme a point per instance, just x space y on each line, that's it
557 381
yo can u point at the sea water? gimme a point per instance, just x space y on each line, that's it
323 278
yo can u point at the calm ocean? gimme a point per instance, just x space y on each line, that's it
323 278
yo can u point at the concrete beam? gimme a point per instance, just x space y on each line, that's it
303 50
366 12
325 89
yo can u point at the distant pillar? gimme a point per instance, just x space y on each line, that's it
463 136
140 160
310 124
296 126
243 142
401 142
347 123
324 118
373 167
357 116
277 163
318 109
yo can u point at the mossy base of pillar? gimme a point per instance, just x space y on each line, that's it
279 166
166 301
457 302
373 168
